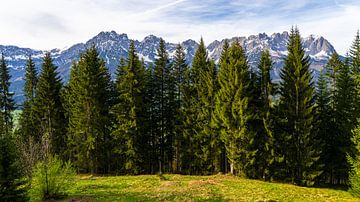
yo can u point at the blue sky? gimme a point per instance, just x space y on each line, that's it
47 24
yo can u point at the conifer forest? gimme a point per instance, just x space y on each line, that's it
198 118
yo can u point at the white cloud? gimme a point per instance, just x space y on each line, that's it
44 24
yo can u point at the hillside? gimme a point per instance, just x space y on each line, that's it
195 188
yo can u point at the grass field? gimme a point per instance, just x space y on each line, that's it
195 188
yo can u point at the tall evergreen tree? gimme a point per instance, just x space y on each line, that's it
297 107
128 111
345 117
188 115
151 138
48 109
27 120
180 69
90 100
231 106
262 123
355 54
204 138
7 104
165 107
324 128
329 117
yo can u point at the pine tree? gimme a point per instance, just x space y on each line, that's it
164 107
7 104
180 69
324 128
203 136
297 107
231 106
187 113
48 110
149 127
262 123
328 125
89 99
27 120
128 111
12 184
345 117
355 54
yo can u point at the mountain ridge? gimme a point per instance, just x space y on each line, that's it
112 46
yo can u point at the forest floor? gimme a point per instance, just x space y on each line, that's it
195 188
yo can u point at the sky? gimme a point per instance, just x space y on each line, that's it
48 24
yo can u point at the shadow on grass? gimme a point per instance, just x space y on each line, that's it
110 196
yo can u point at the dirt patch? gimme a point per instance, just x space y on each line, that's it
203 182
169 184
80 199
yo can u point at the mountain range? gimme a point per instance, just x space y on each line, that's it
113 46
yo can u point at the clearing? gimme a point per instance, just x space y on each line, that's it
195 188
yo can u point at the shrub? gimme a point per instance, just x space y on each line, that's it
51 179
354 175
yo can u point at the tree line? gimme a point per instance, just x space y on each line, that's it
198 119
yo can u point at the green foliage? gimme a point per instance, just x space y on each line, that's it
89 102
27 122
128 111
7 104
355 54
164 112
51 179
202 136
354 173
47 106
231 106
262 122
297 142
12 184
180 70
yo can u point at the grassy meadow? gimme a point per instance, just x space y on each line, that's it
195 188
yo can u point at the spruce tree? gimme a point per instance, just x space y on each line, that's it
48 109
7 104
297 107
345 117
203 138
328 119
149 115
262 120
12 184
180 69
324 128
90 100
164 107
27 120
355 54
187 113
128 111
231 106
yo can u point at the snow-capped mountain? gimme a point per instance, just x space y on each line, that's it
113 46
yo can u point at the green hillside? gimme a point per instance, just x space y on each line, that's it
195 188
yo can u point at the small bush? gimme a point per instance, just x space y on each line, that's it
354 177
354 174
51 179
